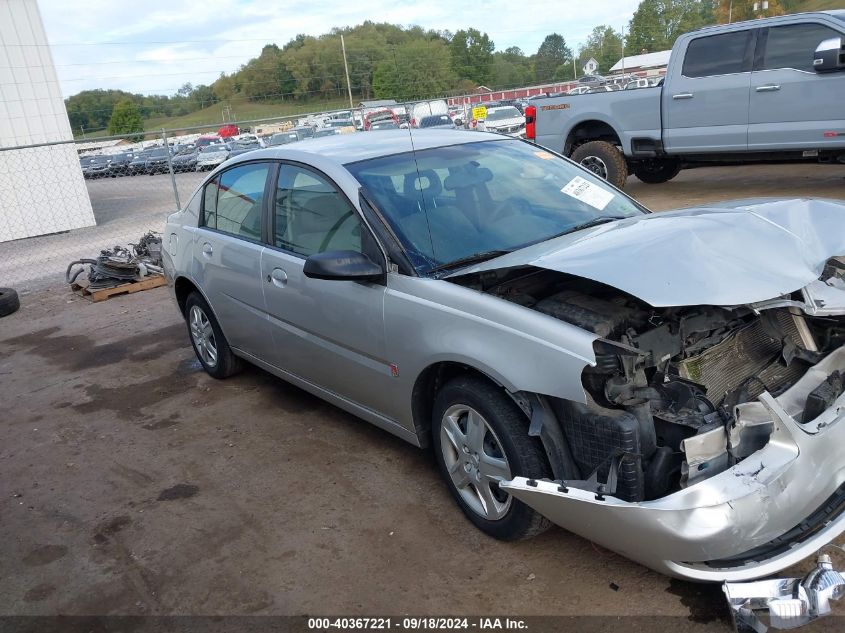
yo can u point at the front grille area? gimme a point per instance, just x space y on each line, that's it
749 356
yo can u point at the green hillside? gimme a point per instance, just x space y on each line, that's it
817 5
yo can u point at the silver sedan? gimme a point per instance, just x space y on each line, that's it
667 385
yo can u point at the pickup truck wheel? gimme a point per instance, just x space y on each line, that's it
657 170
480 437
604 160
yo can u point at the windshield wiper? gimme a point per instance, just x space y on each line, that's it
586 225
475 258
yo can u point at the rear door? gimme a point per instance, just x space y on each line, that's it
792 106
705 100
227 254
329 333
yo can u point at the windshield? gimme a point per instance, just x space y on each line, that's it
159 153
453 202
212 149
503 113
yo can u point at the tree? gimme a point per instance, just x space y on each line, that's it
419 69
738 10
604 44
472 55
125 119
552 54
656 24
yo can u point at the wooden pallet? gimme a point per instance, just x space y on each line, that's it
101 294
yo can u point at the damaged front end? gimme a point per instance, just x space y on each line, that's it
708 443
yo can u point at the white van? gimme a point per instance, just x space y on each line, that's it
418 111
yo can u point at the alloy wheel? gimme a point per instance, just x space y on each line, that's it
595 165
203 336
475 461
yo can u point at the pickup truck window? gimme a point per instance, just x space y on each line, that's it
723 54
793 45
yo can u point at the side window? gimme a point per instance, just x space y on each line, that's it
311 216
718 55
233 201
793 45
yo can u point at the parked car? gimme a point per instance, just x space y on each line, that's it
718 103
207 139
384 125
119 165
138 164
98 167
236 148
424 109
605 88
638 83
593 80
85 164
157 161
688 416
186 160
211 156
578 90
283 138
436 121
383 115
327 131
504 120
304 131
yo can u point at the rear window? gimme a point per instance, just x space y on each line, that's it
723 54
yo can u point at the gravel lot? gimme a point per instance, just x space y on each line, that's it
131 483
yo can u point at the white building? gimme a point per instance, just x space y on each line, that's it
590 67
648 63
41 189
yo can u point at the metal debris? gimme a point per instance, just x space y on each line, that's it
120 265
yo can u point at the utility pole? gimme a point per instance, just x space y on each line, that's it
730 10
346 68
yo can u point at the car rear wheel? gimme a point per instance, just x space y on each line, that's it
657 170
604 160
209 343
480 438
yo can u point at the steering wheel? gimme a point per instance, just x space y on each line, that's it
508 207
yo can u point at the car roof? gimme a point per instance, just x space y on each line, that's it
350 148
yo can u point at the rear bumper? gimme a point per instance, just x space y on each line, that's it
771 510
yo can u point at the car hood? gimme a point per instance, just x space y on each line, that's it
728 254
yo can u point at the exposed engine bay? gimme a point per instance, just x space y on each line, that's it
662 398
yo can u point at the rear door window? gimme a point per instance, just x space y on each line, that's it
723 54
233 201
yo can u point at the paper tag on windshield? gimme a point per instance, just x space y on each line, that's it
588 193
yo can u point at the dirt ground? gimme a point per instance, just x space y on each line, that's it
131 483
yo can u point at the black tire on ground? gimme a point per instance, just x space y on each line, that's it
656 170
603 159
524 454
9 301
227 363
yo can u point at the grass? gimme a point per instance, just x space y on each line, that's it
242 110
818 5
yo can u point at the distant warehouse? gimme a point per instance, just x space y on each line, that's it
644 65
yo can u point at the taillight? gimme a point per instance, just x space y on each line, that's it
531 122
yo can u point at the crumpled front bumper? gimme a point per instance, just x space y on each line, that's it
727 527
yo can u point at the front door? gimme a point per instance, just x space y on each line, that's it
329 333
792 106
705 100
227 254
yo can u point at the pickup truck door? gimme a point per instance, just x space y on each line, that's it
791 106
705 98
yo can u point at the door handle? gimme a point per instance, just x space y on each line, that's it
207 250
769 88
682 95
278 277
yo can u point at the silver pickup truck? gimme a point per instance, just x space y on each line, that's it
759 91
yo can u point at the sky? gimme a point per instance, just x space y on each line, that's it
156 46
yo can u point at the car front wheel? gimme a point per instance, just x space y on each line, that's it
480 438
209 343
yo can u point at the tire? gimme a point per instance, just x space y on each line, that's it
199 317
9 301
505 435
604 160
657 170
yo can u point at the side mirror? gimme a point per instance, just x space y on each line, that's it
342 265
830 55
